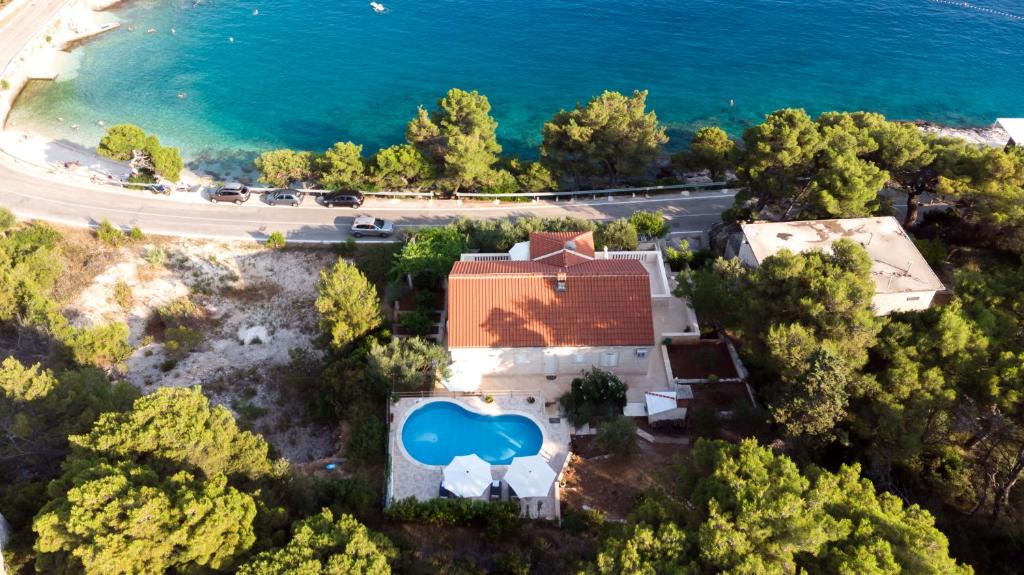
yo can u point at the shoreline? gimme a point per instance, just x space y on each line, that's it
78 21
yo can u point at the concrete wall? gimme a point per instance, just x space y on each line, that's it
886 303
676 414
565 361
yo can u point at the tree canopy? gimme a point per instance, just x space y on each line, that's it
711 149
429 251
122 141
461 137
323 545
279 168
744 509
613 136
407 364
348 304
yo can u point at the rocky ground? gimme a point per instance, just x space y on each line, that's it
255 305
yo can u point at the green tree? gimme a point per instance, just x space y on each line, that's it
745 509
430 252
613 135
407 364
617 234
166 160
127 519
7 220
279 168
322 545
348 304
718 290
846 186
177 428
342 166
597 393
617 436
711 150
461 137
816 402
120 141
778 159
908 156
650 224
534 177
401 166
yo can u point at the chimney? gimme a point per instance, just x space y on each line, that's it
560 282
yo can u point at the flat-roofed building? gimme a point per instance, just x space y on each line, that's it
903 279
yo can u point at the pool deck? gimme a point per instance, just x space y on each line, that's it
409 478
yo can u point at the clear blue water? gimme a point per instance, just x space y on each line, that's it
440 430
306 73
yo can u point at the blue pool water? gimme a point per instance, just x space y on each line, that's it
307 73
440 430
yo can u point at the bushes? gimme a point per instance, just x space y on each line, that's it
617 235
617 437
417 322
180 341
101 346
498 518
275 241
677 259
109 234
649 224
597 394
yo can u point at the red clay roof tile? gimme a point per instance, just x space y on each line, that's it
517 304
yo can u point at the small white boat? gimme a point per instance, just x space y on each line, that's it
378 7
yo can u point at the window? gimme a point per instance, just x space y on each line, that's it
915 298
609 359
579 358
641 353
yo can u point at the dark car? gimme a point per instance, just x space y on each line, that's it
285 197
234 192
343 199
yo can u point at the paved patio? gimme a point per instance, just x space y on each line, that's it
410 478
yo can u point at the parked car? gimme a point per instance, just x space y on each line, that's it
344 199
370 226
286 197
234 192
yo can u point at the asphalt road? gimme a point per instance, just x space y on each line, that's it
32 194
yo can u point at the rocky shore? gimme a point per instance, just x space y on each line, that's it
992 136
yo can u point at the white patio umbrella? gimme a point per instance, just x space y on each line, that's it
467 476
530 476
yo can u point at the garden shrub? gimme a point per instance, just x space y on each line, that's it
180 312
101 346
649 224
109 234
275 241
597 393
417 322
498 518
617 437
677 259
180 341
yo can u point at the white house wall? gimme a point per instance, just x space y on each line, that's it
531 360
886 303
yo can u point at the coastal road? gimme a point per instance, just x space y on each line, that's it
32 194
24 21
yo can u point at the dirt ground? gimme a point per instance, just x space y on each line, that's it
596 481
256 305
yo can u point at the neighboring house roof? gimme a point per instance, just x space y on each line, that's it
1014 127
520 303
896 264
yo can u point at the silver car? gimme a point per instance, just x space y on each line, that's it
285 197
370 226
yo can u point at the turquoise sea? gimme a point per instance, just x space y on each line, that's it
307 73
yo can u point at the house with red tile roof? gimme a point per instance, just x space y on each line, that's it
552 307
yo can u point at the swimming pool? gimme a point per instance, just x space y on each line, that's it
440 430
